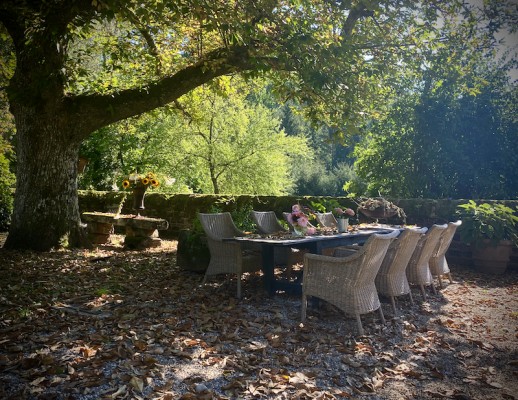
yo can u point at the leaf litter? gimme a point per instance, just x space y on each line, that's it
117 324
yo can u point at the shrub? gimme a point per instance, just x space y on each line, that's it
494 222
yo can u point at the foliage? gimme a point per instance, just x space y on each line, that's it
216 140
333 48
494 222
329 167
6 187
449 129
144 143
444 146
83 65
315 179
229 145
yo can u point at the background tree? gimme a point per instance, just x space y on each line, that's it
136 144
441 145
450 125
217 141
237 145
329 167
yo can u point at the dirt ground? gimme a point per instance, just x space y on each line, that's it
117 324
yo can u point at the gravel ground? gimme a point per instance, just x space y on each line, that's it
110 323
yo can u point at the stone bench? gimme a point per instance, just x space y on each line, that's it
141 232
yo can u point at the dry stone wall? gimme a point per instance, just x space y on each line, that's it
180 210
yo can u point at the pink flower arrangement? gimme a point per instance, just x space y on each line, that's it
298 218
341 213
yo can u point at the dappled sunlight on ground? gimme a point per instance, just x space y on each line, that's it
111 323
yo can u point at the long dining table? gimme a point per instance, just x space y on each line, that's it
314 244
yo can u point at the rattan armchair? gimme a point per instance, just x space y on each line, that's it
326 220
391 280
227 257
347 282
438 264
418 269
267 223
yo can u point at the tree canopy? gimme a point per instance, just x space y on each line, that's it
80 65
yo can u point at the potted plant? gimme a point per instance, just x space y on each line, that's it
491 231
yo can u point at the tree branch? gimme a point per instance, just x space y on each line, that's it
96 111
357 12
153 50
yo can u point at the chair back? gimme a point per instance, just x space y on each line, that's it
446 238
326 220
219 225
374 251
427 246
400 251
267 222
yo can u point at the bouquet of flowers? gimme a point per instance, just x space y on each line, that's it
140 181
300 221
339 212
139 184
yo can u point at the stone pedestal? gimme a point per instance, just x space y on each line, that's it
141 232
137 238
99 227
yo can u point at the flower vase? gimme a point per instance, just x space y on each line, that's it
342 224
299 230
139 192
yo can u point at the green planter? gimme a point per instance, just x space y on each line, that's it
192 253
491 232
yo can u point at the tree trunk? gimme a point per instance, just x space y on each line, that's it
46 211
214 180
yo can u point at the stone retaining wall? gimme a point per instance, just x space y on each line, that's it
180 210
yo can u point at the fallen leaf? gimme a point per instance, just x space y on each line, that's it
120 391
37 381
137 383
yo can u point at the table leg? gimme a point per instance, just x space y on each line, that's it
268 269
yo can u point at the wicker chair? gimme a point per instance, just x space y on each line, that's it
418 269
227 257
438 264
326 220
391 280
267 223
348 282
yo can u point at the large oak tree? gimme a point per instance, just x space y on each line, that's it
326 53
